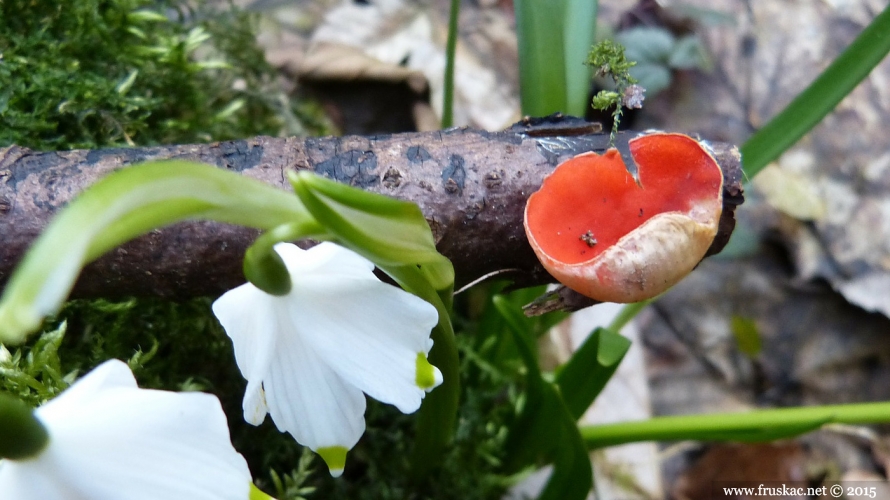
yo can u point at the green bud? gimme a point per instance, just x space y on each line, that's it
264 268
22 436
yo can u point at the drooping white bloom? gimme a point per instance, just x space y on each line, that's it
110 440
309 355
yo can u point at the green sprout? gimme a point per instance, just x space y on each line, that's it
609 60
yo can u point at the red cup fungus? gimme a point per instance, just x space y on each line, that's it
603 235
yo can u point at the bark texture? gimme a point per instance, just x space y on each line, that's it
470 184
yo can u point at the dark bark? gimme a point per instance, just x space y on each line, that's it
471 185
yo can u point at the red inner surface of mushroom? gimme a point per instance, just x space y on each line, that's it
589 202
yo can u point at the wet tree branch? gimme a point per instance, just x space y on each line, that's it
470 184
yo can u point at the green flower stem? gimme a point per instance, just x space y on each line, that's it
438 414
120 207
811 105
760 425
22 436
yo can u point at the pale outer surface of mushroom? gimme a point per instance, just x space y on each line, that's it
646 261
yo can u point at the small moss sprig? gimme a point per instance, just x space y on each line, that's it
34 374
609 60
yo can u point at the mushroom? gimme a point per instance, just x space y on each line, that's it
603 234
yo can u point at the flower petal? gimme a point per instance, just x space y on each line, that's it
250 318
110 374
325 259
309 355
369 332
128 443
309 400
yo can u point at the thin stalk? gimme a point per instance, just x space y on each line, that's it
734 426
450 51
822 96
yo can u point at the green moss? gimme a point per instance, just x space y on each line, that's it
609 60
34 373
97 73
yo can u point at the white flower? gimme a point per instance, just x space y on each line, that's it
110 440
309 355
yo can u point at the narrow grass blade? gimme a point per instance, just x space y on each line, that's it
590 368
811 105
450 50
579 34
539 28
545 429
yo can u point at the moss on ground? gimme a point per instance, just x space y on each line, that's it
96 73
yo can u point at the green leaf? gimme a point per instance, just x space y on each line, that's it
579 33
572 476
539 31
605 99
516 323
811 105
121 206
34 373
583 377
554 37
383 229
525 443
437 417
545 430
